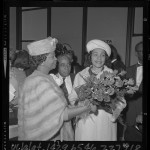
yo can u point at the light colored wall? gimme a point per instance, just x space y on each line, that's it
66 25
108 23
34 26
12 28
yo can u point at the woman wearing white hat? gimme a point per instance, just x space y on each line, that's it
100 127
42 107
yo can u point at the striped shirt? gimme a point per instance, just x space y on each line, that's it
41 108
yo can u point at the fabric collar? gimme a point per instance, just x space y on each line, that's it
139 64
62 77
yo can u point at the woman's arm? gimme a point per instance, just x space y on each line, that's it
74 111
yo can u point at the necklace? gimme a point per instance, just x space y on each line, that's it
96 72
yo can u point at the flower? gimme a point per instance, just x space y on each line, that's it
111 91
106 98
106 92
130 82
119 83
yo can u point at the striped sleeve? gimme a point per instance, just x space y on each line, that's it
42 110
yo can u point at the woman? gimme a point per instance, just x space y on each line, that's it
13 83
42 105
100 127
19 64
64 80
17 74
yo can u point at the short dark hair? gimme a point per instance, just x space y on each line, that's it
137 45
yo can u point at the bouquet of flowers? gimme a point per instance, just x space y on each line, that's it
107 92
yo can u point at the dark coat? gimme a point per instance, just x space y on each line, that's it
134 108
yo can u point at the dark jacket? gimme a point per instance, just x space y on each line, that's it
133 109
134 102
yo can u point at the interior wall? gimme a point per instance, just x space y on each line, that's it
138 29
34 25
12 28
66 26
108 23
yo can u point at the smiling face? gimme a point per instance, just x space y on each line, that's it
98 57
64 66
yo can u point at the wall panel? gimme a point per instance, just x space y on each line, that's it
66 26
108 23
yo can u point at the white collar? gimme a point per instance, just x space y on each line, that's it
62 77
140 63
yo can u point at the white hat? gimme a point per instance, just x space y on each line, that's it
43 46
93 44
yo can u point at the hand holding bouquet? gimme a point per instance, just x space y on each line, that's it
107 92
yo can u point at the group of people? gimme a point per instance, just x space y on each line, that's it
47 100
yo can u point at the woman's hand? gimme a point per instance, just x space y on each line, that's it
87 102
93 108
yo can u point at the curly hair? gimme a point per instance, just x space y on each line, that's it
61 49
37 60
19 54
107 60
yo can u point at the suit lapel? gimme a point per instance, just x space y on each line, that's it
141 86
131 72
135 74
72 76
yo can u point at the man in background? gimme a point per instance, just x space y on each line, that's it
134 117
63 77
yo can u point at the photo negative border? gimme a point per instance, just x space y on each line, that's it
18 145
